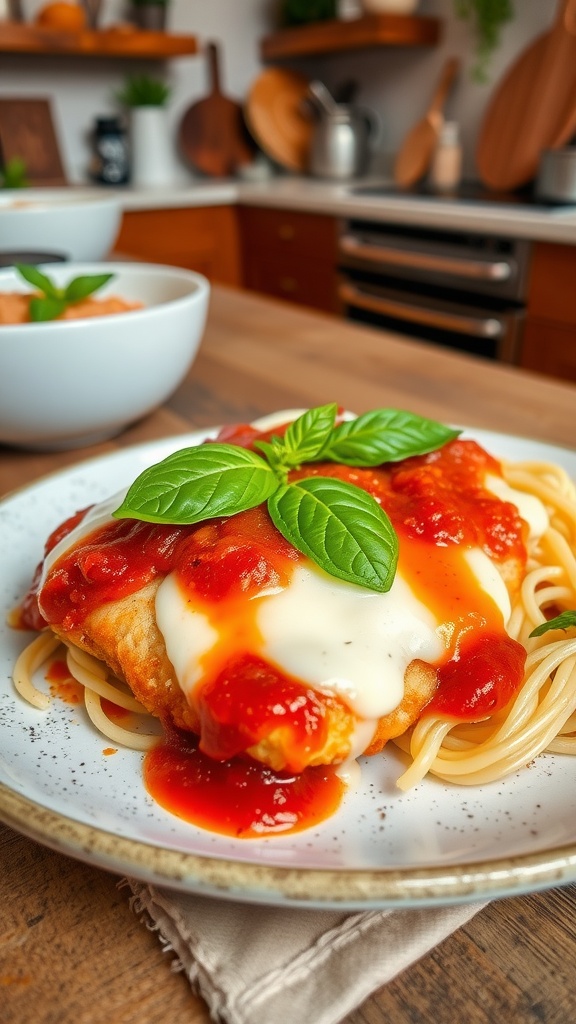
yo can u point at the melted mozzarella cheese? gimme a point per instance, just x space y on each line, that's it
529 506
335 637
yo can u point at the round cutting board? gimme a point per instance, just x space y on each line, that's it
277 116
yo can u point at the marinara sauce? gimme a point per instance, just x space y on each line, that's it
440 509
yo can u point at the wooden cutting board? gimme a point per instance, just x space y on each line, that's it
212 134
415 154
533 107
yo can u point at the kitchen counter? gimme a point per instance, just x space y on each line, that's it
555 224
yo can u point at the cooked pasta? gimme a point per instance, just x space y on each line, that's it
541 716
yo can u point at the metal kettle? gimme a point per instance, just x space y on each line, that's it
341 139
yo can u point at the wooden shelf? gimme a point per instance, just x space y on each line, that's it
123 42
360 33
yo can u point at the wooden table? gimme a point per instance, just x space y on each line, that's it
71 950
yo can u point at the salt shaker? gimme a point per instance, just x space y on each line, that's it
446 169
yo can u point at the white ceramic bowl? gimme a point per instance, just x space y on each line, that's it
390 6
69 383
76 223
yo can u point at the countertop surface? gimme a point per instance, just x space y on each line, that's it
552 224
71 949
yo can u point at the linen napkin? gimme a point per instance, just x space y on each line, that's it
253 964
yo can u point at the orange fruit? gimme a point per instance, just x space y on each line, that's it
63 15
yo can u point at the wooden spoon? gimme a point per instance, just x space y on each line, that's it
415 154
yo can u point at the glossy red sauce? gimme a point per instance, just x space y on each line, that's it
439 508
62 684
237 797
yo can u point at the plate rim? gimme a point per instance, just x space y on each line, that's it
227 877
326 888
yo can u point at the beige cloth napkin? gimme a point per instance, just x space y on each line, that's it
257 964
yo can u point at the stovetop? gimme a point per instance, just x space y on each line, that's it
467 191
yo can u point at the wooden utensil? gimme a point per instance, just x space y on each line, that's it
278 116
533 107
415 154
212 135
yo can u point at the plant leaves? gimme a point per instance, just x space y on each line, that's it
82 287
199 483
563 621
385 435
340 527
46 308
306 436
39 280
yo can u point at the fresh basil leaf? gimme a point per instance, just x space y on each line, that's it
82 287
39 280
563 621
199 483
47 308
385 435
306 436
274 452
340 527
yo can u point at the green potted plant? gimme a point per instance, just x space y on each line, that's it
13 173
143 91
152 150
150 14
302 12
487 18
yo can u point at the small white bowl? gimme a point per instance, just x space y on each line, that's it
75 223
69 383
390 6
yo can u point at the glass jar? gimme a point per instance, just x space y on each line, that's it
110 163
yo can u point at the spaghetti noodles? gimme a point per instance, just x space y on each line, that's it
540 717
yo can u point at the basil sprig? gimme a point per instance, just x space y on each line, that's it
336 524
563 621
53 301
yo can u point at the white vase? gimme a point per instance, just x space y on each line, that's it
153 160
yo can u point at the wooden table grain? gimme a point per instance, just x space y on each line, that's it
71 949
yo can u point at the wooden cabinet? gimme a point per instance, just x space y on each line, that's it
549 344
290 255
201 238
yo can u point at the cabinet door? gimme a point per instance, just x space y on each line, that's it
290 255
202 238
550 348
552 284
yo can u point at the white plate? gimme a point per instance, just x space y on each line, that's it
436 844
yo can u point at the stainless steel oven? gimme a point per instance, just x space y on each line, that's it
454 288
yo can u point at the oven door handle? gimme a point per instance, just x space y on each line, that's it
477 270
475 327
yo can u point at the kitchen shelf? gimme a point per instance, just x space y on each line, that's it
335 36
123 42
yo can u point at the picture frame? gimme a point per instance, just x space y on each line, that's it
27 132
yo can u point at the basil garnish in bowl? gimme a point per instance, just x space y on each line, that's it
53 301
339 526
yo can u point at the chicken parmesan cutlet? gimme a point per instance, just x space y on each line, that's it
237 630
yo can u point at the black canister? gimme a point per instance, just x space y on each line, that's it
110 163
